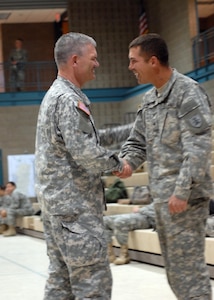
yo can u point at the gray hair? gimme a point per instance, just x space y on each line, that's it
69 44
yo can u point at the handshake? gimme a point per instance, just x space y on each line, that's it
126 170
3 213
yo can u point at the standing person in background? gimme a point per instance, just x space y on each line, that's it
69 162
20 205
172 132
18 59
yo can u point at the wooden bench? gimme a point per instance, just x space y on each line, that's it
143 244
144 247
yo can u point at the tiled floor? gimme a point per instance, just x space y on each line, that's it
23 272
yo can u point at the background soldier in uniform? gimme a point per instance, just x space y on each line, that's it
69 162
172 132
18 59
5 201
120 225
20 205
210 220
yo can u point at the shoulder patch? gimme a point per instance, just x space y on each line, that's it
196 120
83 107
191 112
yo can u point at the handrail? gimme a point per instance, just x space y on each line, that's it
203 48
38 75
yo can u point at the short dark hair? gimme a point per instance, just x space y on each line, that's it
20 39
152 44
12 183
2 187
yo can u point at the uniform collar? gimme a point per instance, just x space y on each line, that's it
158 96
76 89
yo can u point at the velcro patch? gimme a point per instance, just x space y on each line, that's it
196 120
83 107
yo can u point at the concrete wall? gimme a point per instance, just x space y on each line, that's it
18 128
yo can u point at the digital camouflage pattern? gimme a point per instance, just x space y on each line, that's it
177 150
210 226
184 235
68 151
5 201
114 135
141 195
69 162
16 205
172 132
120 225
17 71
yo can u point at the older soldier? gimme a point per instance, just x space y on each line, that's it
120 225
172 131
69 162
19 205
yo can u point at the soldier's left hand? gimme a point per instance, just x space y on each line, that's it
176 205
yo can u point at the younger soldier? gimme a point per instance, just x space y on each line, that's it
172 132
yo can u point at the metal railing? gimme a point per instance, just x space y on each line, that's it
38 76
203 48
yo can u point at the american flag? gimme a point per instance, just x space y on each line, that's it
143 25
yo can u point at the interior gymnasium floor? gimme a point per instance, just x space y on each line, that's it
24 264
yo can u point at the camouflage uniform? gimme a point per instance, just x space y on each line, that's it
69 162
172 132
120 225
210 226
17 71
20 205
113 136
5 202
210 221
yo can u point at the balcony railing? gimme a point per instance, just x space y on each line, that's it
203 48
38 76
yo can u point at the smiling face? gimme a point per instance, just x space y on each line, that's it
140 65
86 64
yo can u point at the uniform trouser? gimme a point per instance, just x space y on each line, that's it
17 78
120 225
79 267
182 241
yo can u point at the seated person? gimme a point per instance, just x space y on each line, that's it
120 225
5 201
210 220
20 206
141 218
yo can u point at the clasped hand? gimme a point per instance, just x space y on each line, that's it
126 171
